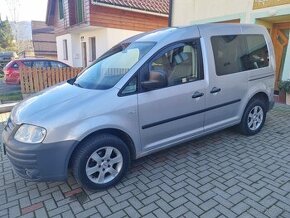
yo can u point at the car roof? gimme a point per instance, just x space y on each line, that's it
38 59
175 32
35 59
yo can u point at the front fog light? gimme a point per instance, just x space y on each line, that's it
30 134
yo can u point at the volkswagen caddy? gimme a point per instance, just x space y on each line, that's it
147 93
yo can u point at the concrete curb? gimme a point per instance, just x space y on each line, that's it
7 107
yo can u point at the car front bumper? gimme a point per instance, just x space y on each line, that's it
37 162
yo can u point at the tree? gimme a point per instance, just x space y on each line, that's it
7 42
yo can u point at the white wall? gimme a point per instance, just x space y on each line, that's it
76 50
115 36
185 12
106 38
73 48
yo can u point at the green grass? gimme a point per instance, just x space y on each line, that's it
15 96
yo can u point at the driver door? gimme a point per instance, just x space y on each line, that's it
174 112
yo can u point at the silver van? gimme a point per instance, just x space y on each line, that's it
149 92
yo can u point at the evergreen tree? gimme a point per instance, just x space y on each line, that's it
6 37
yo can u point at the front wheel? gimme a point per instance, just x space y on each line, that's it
100 162
253 118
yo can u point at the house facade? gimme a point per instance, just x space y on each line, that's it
273 14
43 40
85 29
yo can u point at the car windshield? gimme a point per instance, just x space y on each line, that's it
113 65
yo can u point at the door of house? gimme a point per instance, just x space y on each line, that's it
84 54
280 38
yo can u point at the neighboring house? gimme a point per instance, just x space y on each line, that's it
43 39
34 39
85 29
273 14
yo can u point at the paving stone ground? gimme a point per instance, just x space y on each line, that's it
221 175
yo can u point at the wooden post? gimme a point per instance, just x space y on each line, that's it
26 79
44 77
53 76
49 72
21 80
31 86
40 78
57 73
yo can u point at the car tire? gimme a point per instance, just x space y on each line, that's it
100 162
253 118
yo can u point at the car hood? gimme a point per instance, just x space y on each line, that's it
51 101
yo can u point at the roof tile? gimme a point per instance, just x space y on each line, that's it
157 6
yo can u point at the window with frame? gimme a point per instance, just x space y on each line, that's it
27 63
257 55
65 51
40 64
181 64
56 64
238 53
79 11
60 9
131 87
92 45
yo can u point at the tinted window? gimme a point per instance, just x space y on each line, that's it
257 56
55 64
40 64
180 65
27 63
237 53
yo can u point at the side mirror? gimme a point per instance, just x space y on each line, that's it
157 80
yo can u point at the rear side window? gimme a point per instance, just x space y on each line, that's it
257 56
55 64
27 63
40 64
237 53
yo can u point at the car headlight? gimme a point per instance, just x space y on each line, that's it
30 134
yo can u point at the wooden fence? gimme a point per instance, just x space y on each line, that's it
36 79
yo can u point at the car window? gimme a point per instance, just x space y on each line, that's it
180 65
27 63
40 64
238 53
15 66
131 87
113 65
257 55
56 64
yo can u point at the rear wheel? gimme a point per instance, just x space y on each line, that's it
253 118
100 162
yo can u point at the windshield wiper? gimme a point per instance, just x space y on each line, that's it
77 84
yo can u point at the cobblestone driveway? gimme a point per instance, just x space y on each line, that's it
222 175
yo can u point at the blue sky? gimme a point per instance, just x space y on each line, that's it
25 10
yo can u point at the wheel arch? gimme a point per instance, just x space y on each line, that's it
112 131
261 95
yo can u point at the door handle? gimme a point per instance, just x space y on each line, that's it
215 90
197 95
